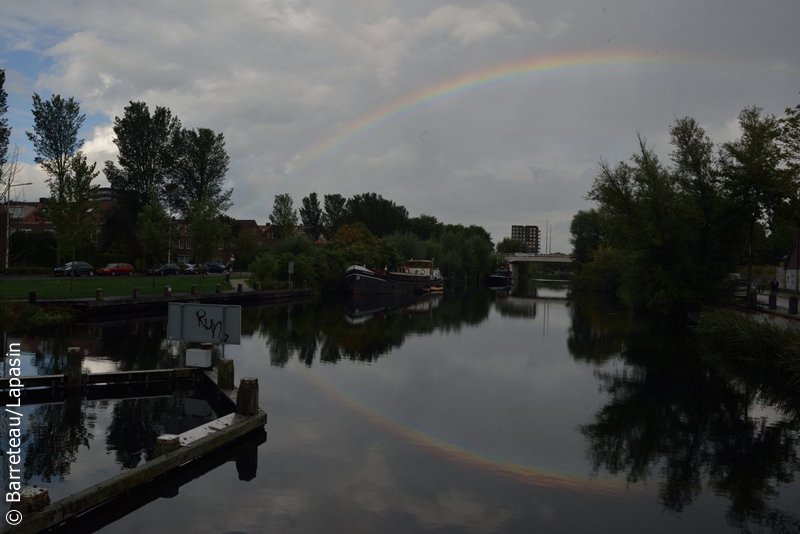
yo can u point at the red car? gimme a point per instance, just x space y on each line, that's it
116 269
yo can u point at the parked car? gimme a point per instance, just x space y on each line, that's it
214 267
165 269
190 268
116 269
81 268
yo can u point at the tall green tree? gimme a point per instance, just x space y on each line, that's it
425 226
380 215
311 215
199 168
5 129
56 123
154 232
146 145
752 174
207 230
587 235
335 210
283 216
70 208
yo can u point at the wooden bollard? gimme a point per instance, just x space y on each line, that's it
167 443
32 499
74 374
135 294
194 289
98 294
257 286
239 288
219 289
32 297
247 397
225 375
167 291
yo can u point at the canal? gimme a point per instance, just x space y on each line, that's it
475 412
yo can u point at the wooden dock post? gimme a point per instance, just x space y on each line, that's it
257 286
33 499
239 288
194 289
135 294
74 375
98 294
225 374
32 297
167 291
167 443
219 288
247 397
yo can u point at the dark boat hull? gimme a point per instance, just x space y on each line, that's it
360 283
495 280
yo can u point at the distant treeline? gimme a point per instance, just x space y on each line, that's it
663 238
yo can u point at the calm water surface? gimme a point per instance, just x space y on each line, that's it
464 413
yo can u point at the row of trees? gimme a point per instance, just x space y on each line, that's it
381 216
664 237
163 170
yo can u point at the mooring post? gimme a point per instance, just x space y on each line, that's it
239 288
98 294
167 443
219 288
247 396
225 374
257 286
167 291
247 465
32 499
793 305
74 375
32 297
135 294
773 301
194 289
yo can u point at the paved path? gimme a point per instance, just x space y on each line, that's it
242 281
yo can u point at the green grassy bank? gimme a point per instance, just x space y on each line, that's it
58 288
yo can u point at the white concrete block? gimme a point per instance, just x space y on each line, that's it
198 358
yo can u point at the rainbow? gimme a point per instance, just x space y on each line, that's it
472 458
474 80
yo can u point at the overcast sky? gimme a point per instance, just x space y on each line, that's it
279 78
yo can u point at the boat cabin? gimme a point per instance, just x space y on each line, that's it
418 267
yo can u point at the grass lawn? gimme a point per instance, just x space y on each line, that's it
55 288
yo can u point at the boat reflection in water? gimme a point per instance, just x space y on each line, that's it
360 309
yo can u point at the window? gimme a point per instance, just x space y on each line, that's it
181 243
253 231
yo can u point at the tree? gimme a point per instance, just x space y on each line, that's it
752 177
5 129
153 230
587 235
206 230
510 246
199 169
146 157
425 226
311 214
70 207
335 210
283 216
380 215
56 123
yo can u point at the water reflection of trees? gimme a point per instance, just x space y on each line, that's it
54 435
56 432
374 327
670 412
131 345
